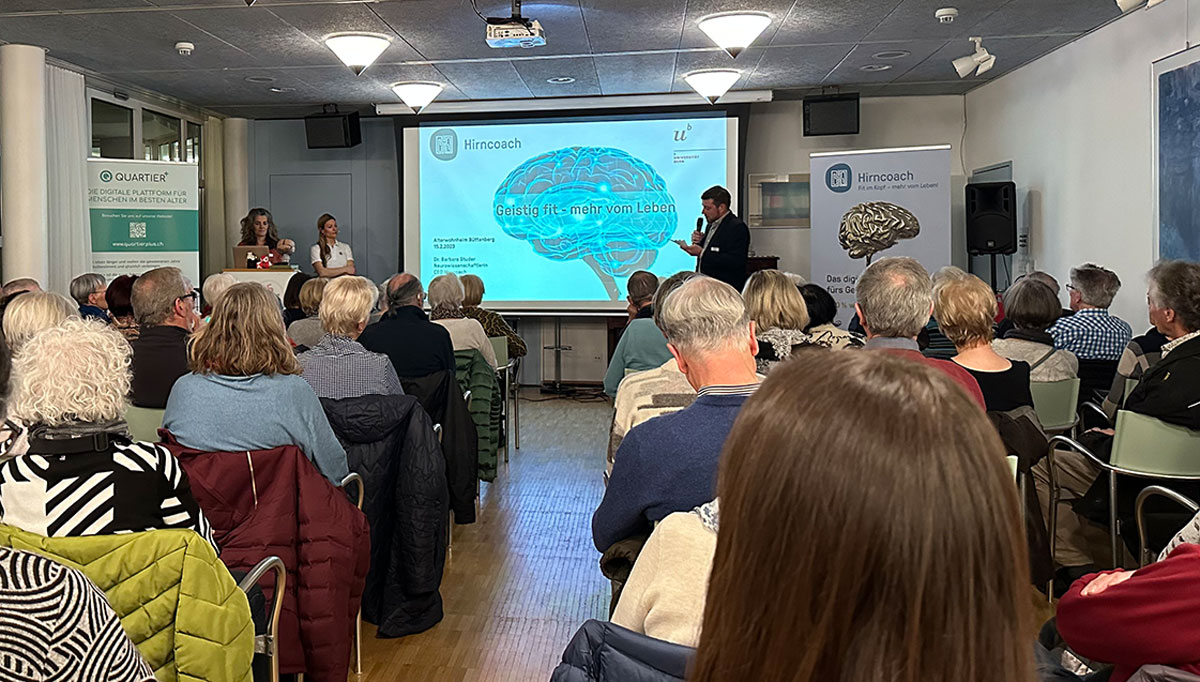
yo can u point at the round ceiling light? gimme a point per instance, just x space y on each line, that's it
734 31
259 79
357 50
891 54
417 94
871 68
560 80
283 90
712 83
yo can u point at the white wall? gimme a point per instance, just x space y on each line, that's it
1077 126
775 144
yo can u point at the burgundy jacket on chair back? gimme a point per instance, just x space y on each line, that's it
276 502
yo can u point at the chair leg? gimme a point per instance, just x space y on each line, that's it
1053 517
1114 530
507 413
517 414
358 643
449 535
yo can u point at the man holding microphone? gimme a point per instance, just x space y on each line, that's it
722 248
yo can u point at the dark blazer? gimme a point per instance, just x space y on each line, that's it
416 346
160 357
1171 388
725 257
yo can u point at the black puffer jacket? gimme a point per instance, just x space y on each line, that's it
603 652
442 399
389 441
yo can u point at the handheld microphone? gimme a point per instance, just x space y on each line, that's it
699 223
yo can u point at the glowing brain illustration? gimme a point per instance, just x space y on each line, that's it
874 226
598 204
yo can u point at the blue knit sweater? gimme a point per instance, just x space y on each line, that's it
665 465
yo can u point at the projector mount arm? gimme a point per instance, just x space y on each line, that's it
515 18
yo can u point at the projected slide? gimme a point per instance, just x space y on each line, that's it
560 214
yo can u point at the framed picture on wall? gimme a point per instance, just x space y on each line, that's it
779 200
1176 150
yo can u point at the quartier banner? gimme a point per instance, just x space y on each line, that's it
144 215
873 204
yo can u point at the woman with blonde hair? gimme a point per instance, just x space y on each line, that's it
244 391
338 366
446 296
493 324
258 229
965 309
830 563
82 474
32 312
307 331
780 316
330 258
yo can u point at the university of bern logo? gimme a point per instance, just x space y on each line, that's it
838 178
443 144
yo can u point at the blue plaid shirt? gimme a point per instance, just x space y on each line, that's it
339 367
1092 334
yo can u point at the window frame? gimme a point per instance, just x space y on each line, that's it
137 105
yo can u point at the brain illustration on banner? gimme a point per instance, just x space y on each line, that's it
875 226
598 204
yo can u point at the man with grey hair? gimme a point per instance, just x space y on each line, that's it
416 346
1091 333
669 463
88 291
164 305
895 302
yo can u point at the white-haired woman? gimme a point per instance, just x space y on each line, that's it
82 474
338 366
446 295
32 312
214 286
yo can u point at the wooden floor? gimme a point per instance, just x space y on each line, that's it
522 579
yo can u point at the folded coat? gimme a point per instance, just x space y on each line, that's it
276 502
443 402
477 376
389 441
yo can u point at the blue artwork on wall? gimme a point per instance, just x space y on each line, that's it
1179 163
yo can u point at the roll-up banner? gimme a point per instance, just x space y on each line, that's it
873 204
145 215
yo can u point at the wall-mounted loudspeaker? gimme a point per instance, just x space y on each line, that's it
332 129
992 218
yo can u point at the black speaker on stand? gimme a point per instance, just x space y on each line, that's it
992 220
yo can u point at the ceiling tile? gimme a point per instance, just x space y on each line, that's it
635 74
269 40
792 67
914 19
698 9
631 25
832 21
318 20
486 80
54 5
1043 17
850 70
938 67
536 72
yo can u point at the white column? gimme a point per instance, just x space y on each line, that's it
237 177
26 250
216 254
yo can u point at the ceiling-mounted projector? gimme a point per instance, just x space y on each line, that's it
515 31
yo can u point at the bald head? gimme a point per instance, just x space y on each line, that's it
404 289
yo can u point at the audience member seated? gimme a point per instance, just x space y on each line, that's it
291 299
416 346
258 229
935 344
82 475
308 331
822 310
1169 391
32 312
642 345
1136 618
654 392
826 533
446 295
163 306
214 286
119 297
244 392
338 366
1138 357
88 291
1091 333
966 308
493 324
669 463
1030 307
895 300
779 314
20 284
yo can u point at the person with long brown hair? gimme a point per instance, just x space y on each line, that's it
869 529
330 257
245 392
258 229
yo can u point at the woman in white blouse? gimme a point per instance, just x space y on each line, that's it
330 257
445 301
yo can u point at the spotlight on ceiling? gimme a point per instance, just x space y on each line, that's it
1127 5
734 31
417 94
249 2
712 83
357 50
980 61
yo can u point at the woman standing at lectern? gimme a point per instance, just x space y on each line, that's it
258 229
330 258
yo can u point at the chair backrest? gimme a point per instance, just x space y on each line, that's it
144 422
1013 460
500 346
1148 445
1096 376
1055 402
1130 384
